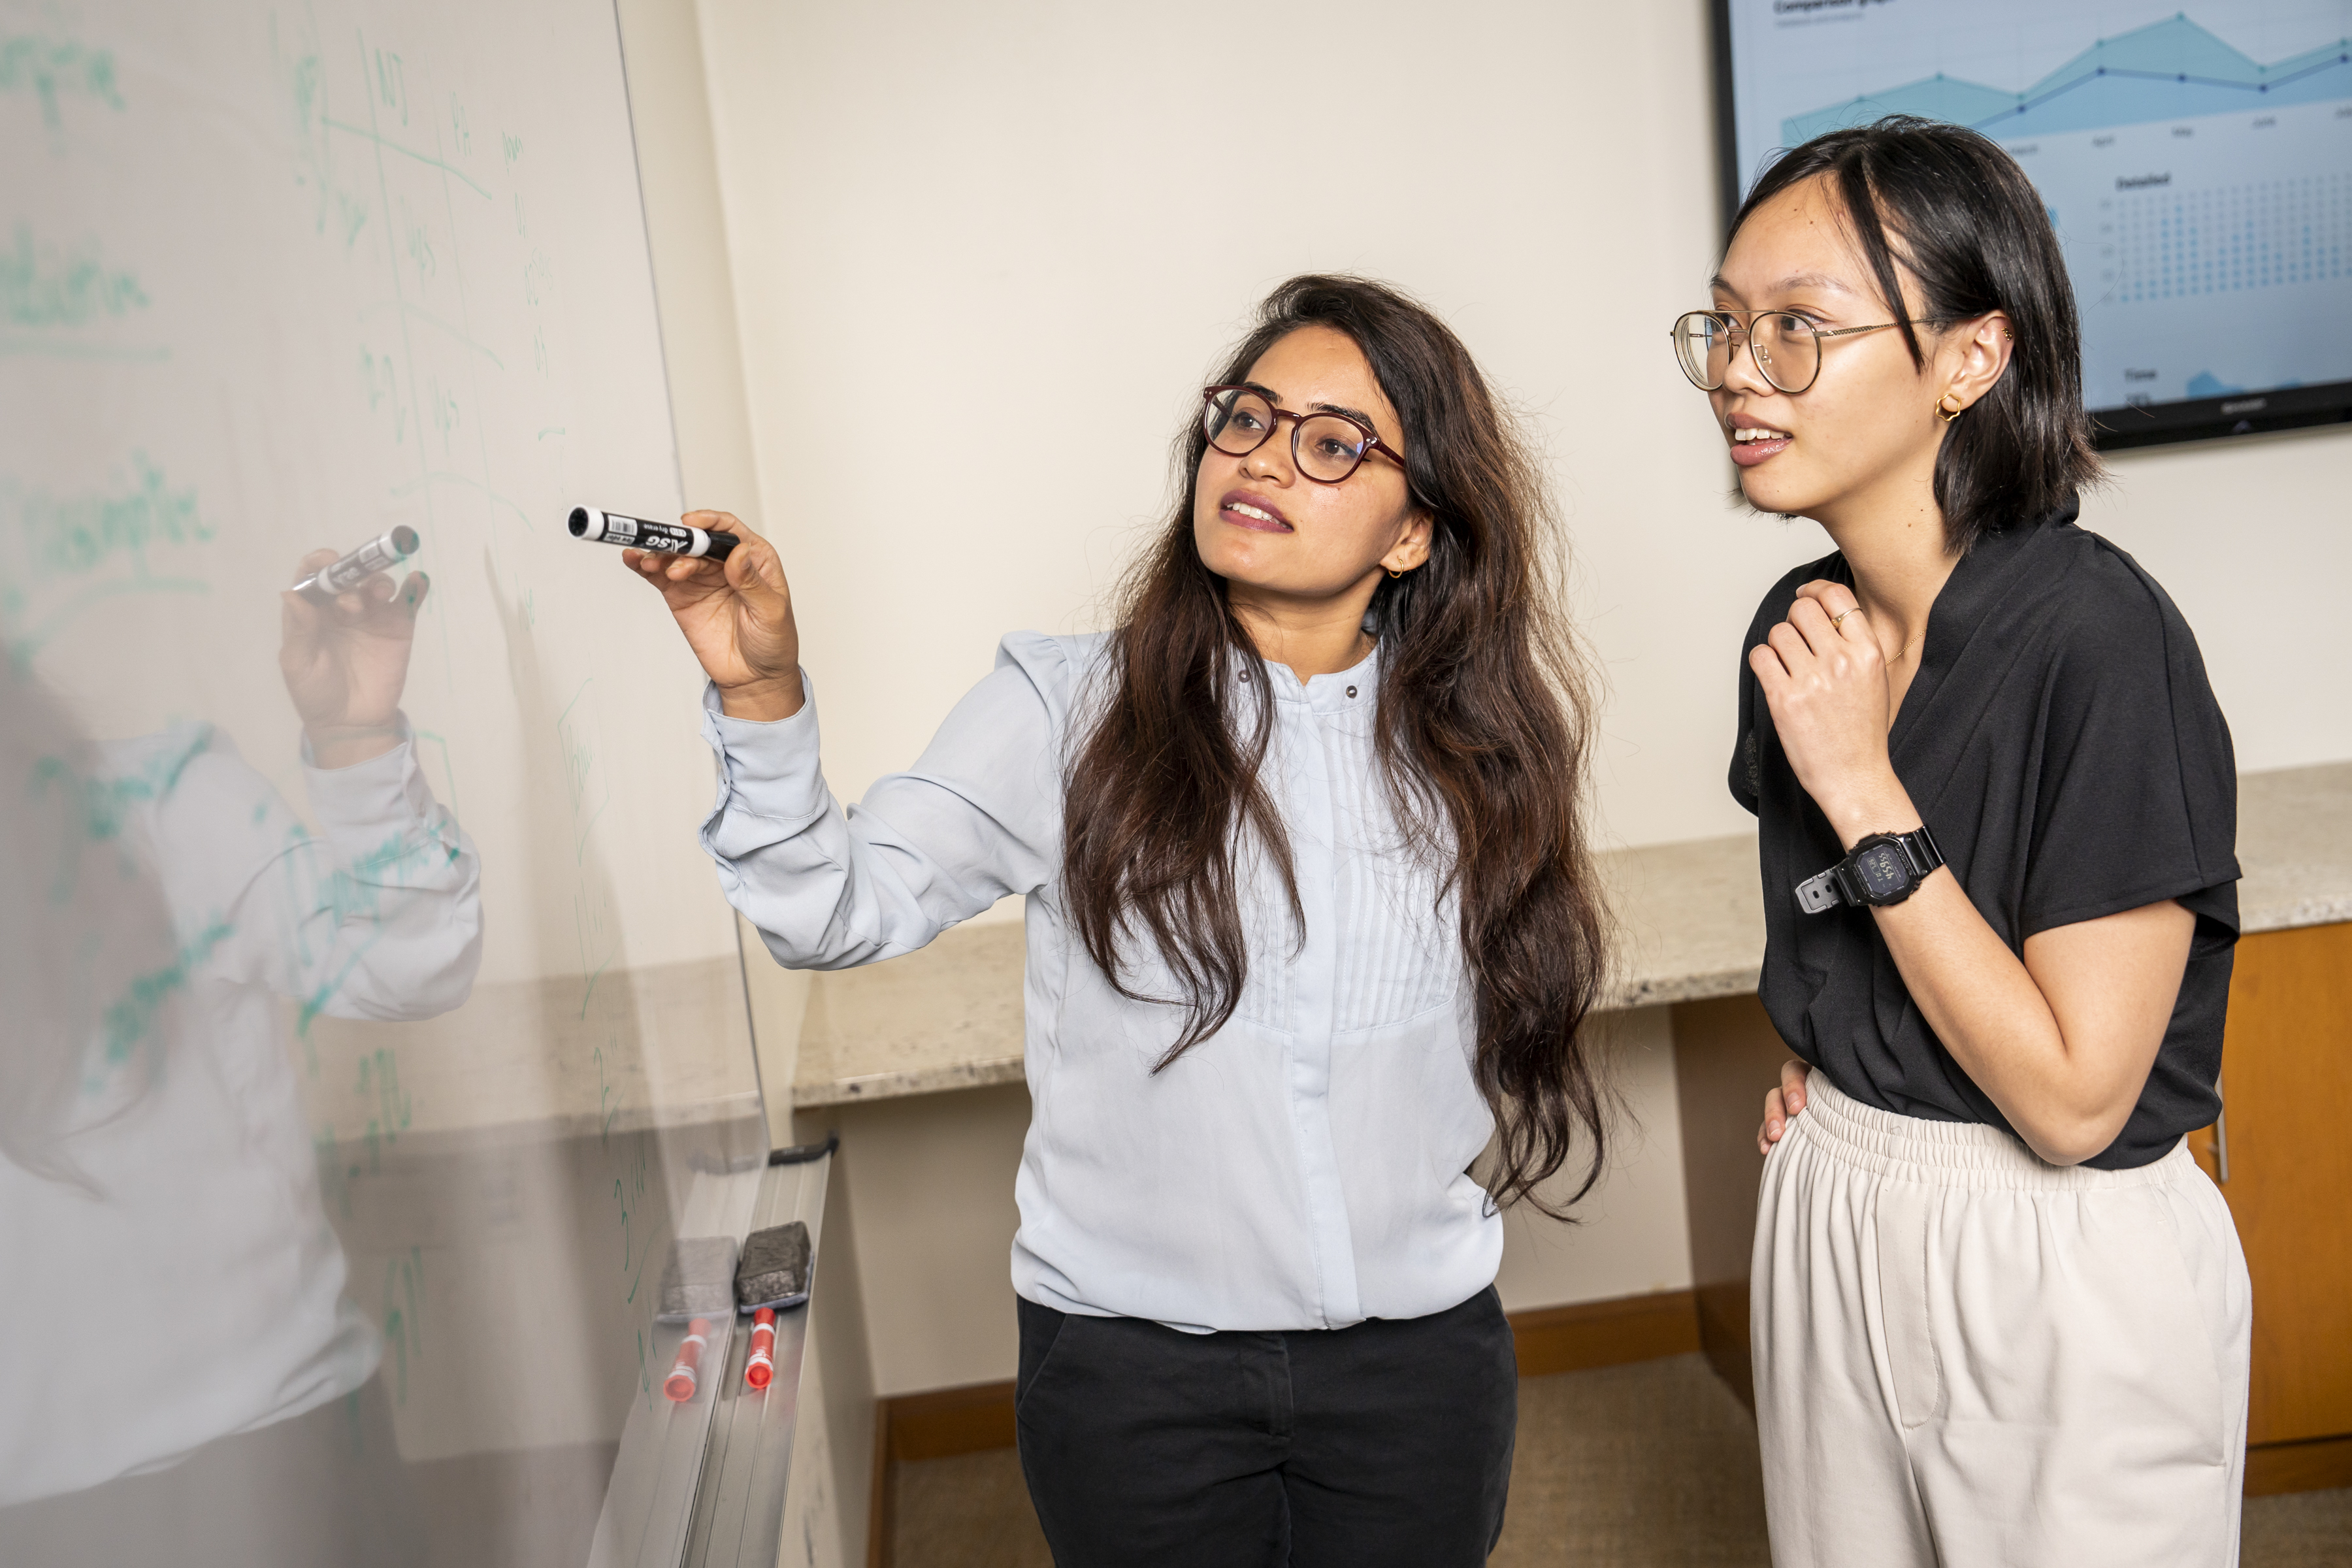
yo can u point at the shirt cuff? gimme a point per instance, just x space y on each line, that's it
772 768
366 799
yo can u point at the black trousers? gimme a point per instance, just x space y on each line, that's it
1387 1443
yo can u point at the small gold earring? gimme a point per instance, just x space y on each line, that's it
1394 573
1949 406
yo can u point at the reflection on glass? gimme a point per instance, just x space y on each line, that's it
284 277
167 921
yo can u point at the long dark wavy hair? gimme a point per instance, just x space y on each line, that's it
1482 733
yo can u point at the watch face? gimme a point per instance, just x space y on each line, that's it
1883 869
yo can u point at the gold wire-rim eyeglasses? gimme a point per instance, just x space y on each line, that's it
1736 330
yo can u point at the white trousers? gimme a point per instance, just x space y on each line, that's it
1970 1359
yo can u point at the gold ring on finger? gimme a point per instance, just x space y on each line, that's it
1837 623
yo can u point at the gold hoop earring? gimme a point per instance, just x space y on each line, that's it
1394 573
1945 409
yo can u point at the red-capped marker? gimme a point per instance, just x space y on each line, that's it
679 1383
760 1370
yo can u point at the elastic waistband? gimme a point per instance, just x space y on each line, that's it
1951 1153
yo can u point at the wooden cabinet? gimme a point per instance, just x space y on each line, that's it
2286 1080
2286 1084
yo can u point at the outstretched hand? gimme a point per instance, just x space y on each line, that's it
737 615
346 661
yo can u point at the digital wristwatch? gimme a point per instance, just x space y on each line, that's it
1884 869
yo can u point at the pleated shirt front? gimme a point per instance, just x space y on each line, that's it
1306 1165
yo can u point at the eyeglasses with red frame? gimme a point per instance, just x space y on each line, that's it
1323 446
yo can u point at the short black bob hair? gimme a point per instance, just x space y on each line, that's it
1955 211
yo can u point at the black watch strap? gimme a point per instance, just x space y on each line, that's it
1842 884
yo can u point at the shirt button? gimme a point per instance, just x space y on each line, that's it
1351 691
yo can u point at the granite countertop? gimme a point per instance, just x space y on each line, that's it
2295 847
1690 921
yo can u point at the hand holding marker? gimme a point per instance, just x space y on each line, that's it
732 605
326 584
345 637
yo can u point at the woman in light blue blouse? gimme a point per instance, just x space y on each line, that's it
1310 924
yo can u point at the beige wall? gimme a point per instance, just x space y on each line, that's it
1631 1237
942 215
2250 539
930 1194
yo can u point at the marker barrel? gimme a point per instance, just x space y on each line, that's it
684 1372
643 533
760 1370
342 576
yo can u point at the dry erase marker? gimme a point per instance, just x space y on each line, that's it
760 1370
683 1372
637 533
357 566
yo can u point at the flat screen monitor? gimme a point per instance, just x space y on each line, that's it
2197 164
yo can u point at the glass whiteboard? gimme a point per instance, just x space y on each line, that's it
370 1011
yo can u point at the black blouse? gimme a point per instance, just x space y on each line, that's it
2062 743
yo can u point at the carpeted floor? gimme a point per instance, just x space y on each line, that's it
1653 1463
2301 1530
970 1511
1633 1467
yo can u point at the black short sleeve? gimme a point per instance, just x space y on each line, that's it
1747 777
2137 784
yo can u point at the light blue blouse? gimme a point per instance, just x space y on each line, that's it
1304 1166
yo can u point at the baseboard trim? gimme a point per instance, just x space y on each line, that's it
944 1422
1605 1333
2321 1464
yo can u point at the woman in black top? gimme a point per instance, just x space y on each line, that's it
1999 1316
